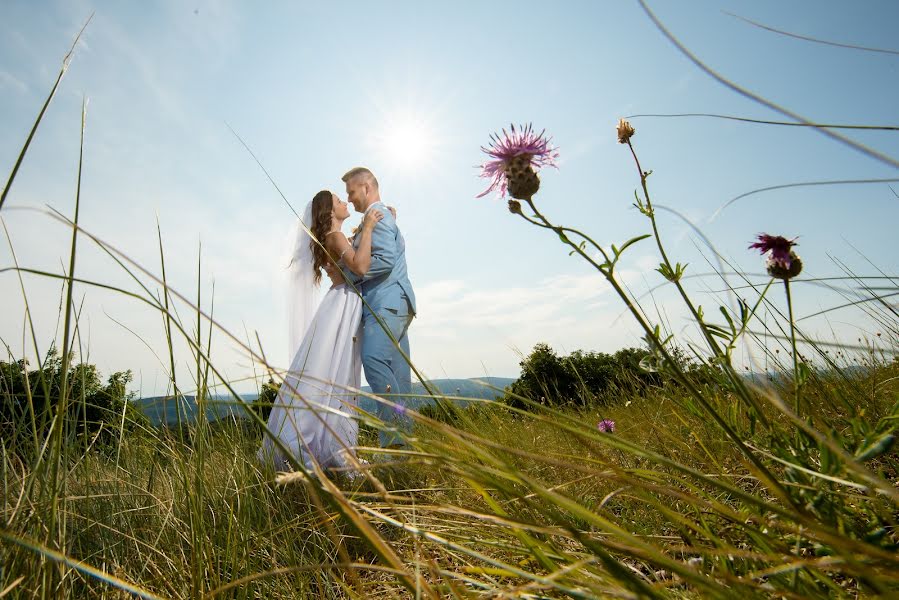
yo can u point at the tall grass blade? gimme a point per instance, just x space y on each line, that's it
866 150
65 67
63 560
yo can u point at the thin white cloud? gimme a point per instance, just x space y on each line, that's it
137 62
464 331
209 26
453 303
9 82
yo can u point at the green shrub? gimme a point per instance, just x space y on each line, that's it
96 412
266 399
579 379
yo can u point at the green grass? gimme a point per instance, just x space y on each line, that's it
181 522
712 485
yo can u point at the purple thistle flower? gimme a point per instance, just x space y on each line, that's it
606 426
512 150
783 262
778 246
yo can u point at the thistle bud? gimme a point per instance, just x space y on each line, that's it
780 270
523 181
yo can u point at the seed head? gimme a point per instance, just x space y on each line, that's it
625 131
290 477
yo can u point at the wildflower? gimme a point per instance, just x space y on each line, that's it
399 409
778 246
783 262
606 426
625 131
516 156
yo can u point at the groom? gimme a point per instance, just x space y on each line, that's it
388 294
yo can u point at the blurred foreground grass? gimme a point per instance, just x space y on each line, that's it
530 508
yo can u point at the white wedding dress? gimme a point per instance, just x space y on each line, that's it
313 417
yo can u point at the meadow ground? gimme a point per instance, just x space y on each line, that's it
504 504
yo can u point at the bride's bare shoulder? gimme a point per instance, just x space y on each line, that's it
335 239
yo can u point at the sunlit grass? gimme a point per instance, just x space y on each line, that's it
176 523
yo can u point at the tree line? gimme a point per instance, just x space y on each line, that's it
96 413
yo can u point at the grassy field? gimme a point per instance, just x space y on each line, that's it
510 503
713 484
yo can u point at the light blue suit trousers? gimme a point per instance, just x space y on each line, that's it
389 298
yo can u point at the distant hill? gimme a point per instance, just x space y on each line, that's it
164 410
481 387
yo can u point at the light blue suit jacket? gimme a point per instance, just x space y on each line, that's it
386 284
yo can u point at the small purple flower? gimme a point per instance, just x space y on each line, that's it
783 262
399 409
513 154
606 426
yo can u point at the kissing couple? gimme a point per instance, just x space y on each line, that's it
362 322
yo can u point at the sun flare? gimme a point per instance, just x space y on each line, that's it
406 141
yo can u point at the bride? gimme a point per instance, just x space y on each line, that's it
313 415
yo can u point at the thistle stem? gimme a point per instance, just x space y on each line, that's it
679 375
547 225
796 382
658 238
738 384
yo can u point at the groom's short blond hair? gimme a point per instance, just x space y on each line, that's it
360 172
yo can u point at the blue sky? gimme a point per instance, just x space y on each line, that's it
412 90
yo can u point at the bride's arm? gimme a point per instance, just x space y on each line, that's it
358 260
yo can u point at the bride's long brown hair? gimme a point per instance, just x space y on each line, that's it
322 209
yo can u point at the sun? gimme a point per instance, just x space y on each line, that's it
406 141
